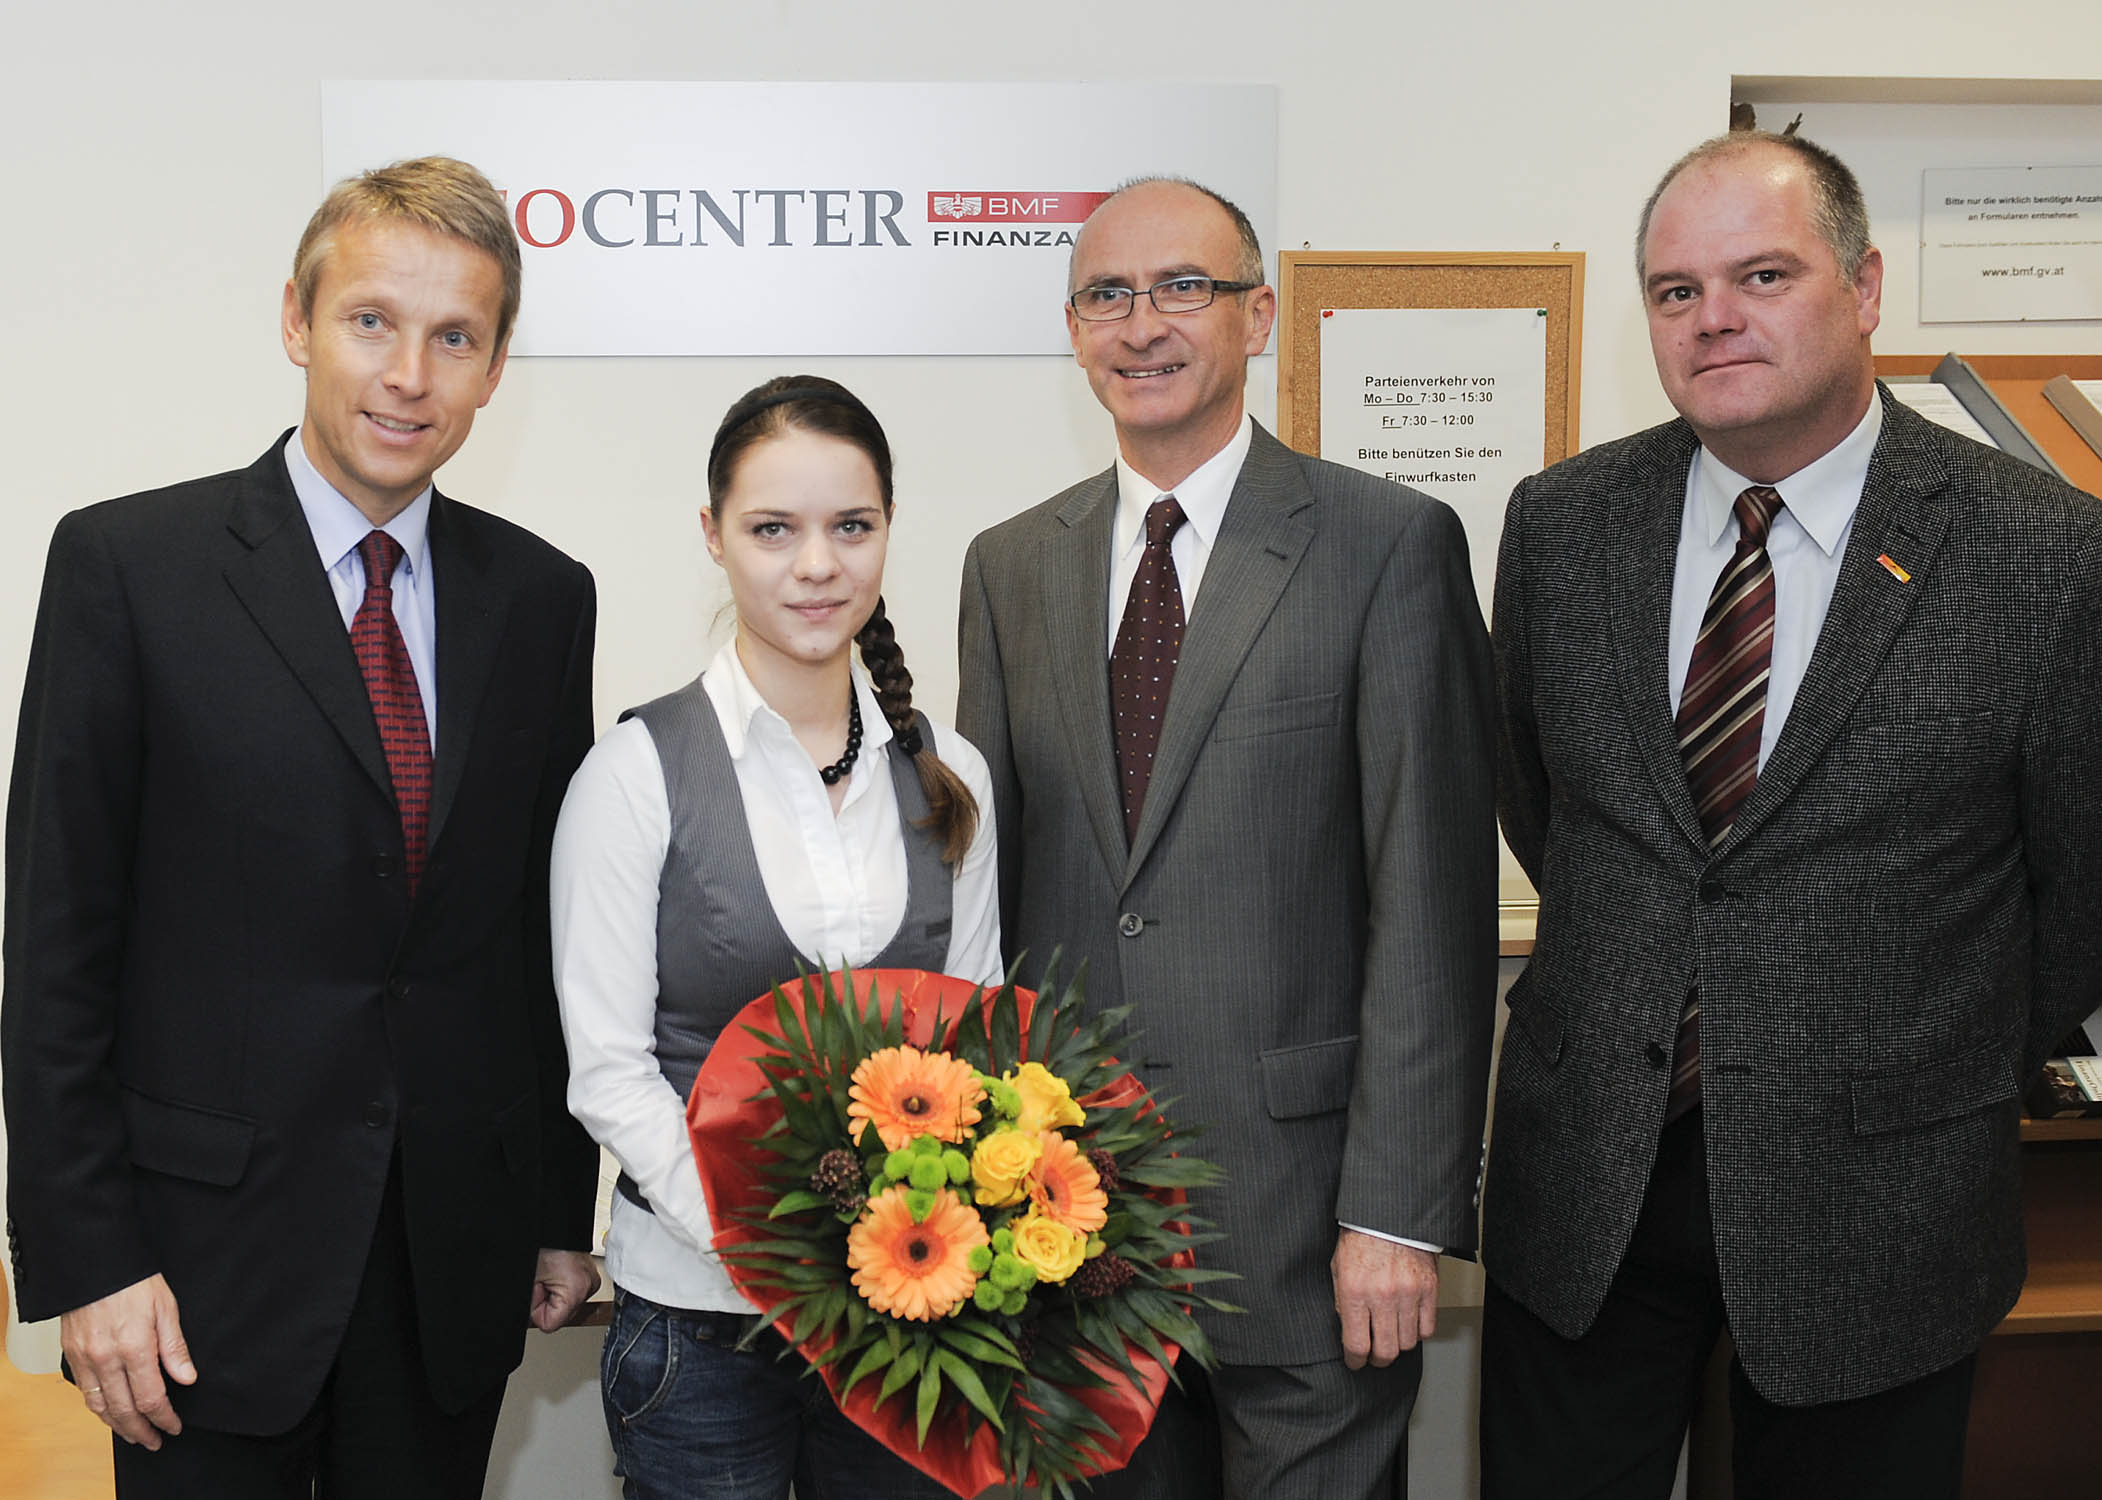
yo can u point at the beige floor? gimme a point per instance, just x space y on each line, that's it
50 1448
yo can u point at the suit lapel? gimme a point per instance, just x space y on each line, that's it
281 583
1644 537
1076 618
1897 518
1260 542
472 611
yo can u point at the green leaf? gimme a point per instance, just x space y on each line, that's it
966 1380
900 1374
874 1359
1007 1030
1137 1328
990 1348
1172 1172
800 1201
786 1247
930 1396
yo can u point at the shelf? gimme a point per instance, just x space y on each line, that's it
2074 1129
2062 1198
1769 88
2019 380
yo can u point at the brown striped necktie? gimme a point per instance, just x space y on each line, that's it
1142 663
1721 715
397 703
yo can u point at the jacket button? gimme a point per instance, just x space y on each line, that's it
398 989
375 1114
1712 892
1656 1054
384 866
1131 924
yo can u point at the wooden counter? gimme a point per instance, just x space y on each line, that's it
2062 1197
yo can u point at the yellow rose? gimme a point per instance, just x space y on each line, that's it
1055 1251
1000 1166
1046 1101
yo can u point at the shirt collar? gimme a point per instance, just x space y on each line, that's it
338 526
746 707
1821 495
1203 495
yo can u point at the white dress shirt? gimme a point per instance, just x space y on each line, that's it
1806 542
338 527
836 882
1203 497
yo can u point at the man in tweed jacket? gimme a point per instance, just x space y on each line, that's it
1303 915
1884 940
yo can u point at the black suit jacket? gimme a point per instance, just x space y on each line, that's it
1904 917
223 1011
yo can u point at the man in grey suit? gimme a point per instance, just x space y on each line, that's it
1237 707
1802 735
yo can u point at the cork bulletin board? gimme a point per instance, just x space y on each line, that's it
1311 280
1438 359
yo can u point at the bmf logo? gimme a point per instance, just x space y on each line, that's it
979 206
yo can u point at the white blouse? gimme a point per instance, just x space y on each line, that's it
837 884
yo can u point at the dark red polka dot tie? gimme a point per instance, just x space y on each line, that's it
397 704
1142 663
1722 714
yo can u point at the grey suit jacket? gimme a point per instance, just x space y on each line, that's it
1305 920
1902 920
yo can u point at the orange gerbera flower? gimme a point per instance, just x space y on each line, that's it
920 1271
905 1093
1065 1186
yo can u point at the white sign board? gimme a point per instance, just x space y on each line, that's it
2010 244
1451 401
806 218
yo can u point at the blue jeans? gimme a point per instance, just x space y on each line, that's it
693 1417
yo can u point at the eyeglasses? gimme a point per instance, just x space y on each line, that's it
1178 294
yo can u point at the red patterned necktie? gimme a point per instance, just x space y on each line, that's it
1722 713
397 704
1142 663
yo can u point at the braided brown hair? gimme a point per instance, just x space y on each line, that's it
952 811
811 403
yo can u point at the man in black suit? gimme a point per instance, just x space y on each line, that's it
1802 730
284 1078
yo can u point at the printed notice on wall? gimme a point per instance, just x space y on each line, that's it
1451 401
2010 244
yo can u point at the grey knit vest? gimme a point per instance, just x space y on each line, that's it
719 944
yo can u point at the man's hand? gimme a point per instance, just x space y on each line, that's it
117 1348
1386 1295
562 1283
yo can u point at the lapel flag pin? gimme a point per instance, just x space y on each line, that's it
1893 568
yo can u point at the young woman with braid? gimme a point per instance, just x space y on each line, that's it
788 807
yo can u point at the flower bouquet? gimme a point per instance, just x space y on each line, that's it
962 1210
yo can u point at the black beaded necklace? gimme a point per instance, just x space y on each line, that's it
837 771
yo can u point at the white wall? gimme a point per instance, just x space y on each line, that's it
1889 144
161 160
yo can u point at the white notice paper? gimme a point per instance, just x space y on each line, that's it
1451 401
2010 244
2087 1071
2092 389
1937 403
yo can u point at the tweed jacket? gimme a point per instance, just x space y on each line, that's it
1901 921
1304 921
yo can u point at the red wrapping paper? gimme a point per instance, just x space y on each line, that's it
732 1105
